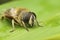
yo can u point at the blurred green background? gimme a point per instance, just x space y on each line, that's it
48 15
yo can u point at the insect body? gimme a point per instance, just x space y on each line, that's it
21 16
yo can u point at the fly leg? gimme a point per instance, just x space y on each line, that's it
37 23
24 26
13 27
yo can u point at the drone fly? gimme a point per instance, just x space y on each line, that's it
22 16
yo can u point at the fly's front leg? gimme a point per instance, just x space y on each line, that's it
13 27
37 23
25 26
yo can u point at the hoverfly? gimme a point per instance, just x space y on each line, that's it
21 16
